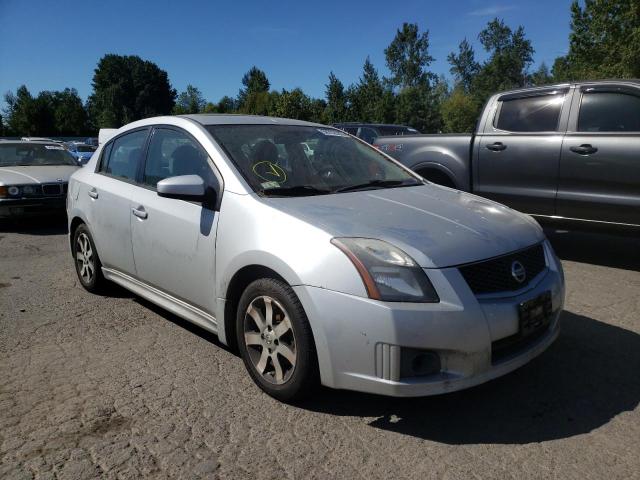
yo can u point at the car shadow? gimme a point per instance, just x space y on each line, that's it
617 249
47 225
185 324
585 379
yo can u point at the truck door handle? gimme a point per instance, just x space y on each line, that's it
93 193
140 212
584 149
497 147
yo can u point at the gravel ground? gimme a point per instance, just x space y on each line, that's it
113 387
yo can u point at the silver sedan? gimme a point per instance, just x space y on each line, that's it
33 177
329 264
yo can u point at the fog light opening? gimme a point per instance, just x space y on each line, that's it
419 363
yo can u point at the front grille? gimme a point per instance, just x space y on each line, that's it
54 189
495 275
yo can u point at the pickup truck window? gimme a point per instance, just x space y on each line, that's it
609 112
530 114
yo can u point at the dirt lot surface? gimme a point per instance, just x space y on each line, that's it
113 387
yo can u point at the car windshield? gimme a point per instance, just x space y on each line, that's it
287 160
33 154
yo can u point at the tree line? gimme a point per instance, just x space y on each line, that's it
604 42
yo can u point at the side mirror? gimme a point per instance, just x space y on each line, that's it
183 187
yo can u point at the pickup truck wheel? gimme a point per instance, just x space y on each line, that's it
275 340
87 262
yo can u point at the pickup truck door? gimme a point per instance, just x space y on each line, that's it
518 150
599 175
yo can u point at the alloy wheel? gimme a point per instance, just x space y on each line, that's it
85 258
270 339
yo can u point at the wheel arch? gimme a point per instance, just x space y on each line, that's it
73 225
436 173
236 286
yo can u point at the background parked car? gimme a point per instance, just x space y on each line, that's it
33 177
39 139
81 151
568 151
370 131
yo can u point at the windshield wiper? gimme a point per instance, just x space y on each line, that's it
376 184
295 191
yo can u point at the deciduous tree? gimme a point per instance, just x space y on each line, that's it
408 57
604 41
128 88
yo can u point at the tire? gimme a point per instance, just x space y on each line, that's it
267 342
86 260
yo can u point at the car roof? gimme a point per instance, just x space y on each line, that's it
359 124
238 119
552 86
31 142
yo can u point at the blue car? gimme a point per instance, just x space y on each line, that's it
81 152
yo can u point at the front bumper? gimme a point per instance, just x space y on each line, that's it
20 207
359 341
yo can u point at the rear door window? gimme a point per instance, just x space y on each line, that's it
609 112
530 114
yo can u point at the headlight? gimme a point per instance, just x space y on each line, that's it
388 273
28 189
13 191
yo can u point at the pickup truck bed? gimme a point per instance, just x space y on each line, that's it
443 159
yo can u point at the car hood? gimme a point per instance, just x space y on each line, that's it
36 174
439 227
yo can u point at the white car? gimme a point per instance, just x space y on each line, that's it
348 269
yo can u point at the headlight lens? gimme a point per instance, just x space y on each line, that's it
388 273
29 189
13 191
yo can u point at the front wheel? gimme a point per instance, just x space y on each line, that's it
87 262
275 340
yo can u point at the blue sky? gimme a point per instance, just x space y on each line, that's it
49 45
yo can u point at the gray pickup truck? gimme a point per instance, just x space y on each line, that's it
568 151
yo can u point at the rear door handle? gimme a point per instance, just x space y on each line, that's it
140 212
497 147
93 193
584 149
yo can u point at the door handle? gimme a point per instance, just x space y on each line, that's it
140 212
584 149
93 193
497 147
